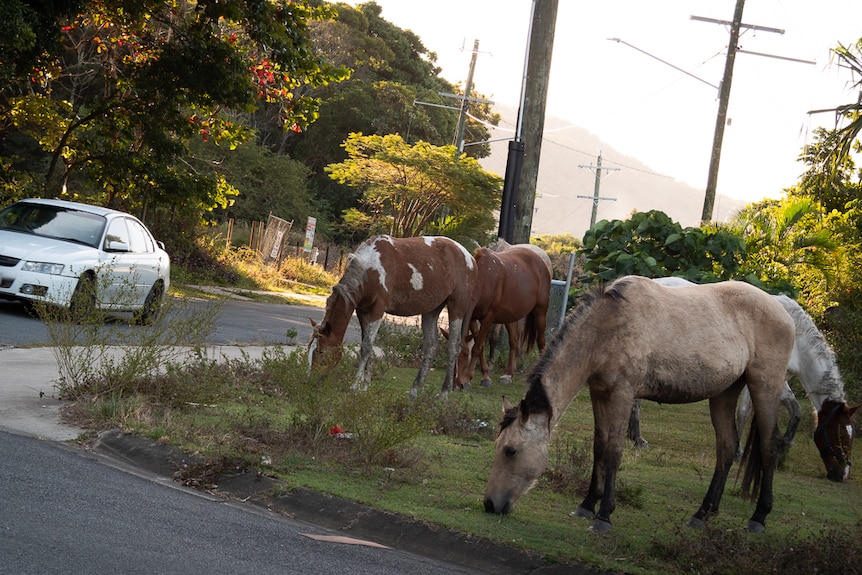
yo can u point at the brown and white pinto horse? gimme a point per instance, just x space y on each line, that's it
403 277
512 285
638 339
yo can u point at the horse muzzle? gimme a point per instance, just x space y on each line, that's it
838 473
493 507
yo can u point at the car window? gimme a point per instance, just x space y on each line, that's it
141 241
53 222
117 232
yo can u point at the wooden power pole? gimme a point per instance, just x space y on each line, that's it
723 100
596 188
533 104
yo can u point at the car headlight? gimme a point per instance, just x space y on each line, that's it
43 268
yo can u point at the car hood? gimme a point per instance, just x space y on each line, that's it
37 248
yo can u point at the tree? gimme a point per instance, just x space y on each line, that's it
391 71
410 190
651 244
787 244
849 57
266 183
137 80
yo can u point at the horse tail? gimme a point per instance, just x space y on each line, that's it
752 462
531 333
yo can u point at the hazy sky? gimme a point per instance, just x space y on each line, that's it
648 109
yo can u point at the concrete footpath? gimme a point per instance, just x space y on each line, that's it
29 406
28 395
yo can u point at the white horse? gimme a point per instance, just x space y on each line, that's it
814 363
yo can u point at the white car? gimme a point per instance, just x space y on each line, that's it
82 258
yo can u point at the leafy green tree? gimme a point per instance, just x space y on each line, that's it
391 71
849 57
266 183
651 244
787 244
29 35
137 81
410 190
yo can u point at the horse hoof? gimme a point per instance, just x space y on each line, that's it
600 526
641 443
465 387
755 526
505 379
582 512
696 523
486 383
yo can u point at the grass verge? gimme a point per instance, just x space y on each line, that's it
429 460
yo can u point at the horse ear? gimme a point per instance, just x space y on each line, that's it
444 332
313 323
851 411
506 405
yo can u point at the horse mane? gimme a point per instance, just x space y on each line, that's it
351 283
536 399
821 350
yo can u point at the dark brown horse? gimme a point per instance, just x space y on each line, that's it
403 277
513 284
638 339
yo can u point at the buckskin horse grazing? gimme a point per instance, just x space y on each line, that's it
512 285
814 363
638 339
403 277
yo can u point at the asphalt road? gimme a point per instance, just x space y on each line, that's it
64 510
238 323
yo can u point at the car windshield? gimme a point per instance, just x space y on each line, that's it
53 222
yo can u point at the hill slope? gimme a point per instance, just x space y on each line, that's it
562 179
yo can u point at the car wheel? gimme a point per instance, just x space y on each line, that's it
82 305
152 305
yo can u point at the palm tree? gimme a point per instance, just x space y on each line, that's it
785 240
850 57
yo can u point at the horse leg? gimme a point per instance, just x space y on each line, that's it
609 414
429 348
788 399
721 411
493 340
479 346
765 436
634 429
456 327
369 334
512 330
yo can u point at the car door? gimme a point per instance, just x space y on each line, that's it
147 261
117 287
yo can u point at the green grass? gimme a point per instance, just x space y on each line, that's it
246 414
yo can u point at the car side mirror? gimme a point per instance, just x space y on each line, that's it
115 246
161 244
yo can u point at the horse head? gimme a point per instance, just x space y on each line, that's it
520 456
834 437
321 341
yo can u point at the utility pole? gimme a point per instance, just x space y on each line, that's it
522 166
539 72
596 197
468 87
724 100
462 107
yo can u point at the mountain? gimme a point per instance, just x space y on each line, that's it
634 185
